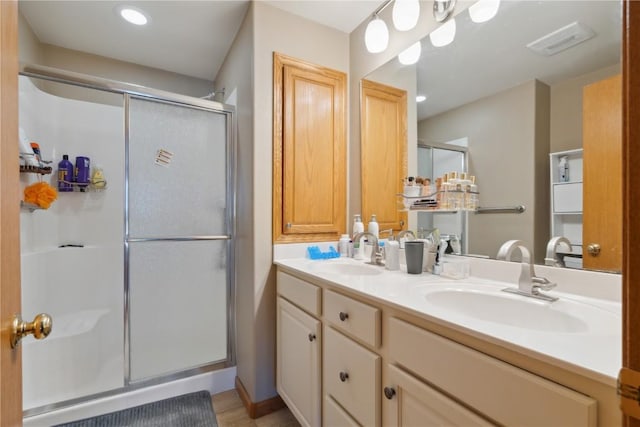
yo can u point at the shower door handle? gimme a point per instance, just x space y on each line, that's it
40 328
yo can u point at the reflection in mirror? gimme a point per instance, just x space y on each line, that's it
514 87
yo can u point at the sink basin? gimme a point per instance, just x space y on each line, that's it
346 268
492 305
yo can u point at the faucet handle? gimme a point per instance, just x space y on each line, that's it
543 283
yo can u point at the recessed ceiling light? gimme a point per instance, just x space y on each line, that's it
421 98
133 15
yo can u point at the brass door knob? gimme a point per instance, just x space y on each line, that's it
40 328
593 249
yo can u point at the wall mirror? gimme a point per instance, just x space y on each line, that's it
513 87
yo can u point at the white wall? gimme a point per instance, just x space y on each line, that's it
236 76
510 124
566 108
265 30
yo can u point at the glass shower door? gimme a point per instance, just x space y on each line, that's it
177 237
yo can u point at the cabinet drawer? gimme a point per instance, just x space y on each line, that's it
502 392
301 293
351 375
356 318
567 197
334 415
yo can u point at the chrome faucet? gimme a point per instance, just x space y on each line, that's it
554 259
377 258
403 233
529 284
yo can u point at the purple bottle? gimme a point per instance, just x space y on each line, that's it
82 172
65 174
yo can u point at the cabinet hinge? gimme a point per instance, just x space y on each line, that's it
629 391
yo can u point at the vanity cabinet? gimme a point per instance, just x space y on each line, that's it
299 346
309 157
382 365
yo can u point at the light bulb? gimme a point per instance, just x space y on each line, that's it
410 55
483 10
405 14
376 37
444 35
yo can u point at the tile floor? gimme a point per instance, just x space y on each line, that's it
231 413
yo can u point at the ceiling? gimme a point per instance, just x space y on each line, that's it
490 57
186 37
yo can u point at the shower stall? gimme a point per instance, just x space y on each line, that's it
137 274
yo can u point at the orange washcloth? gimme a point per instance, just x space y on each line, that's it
41 194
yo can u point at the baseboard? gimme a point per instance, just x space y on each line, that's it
258 409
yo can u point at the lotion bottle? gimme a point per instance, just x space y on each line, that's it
373 227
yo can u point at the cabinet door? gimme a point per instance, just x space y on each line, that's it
409 402
309 151
298 362
602 143
383 145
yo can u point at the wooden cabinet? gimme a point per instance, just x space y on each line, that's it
383 153
602 144
309 159
299 350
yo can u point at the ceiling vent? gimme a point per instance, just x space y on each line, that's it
561 39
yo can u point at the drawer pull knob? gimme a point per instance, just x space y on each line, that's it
344 376
344 316
389 393
312 336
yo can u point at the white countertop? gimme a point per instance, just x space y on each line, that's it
578 333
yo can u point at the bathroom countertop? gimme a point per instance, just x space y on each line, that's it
590 345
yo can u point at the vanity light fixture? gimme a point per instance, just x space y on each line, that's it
421 98
442 9
443 35
483 10
410 55
405 14
133 15
376 36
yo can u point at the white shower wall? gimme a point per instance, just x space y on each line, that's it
81 288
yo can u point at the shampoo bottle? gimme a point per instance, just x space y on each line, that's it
65 174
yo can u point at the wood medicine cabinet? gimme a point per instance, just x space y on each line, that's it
309 154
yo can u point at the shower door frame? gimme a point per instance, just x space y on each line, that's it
128 90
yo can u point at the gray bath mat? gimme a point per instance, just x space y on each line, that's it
188 410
